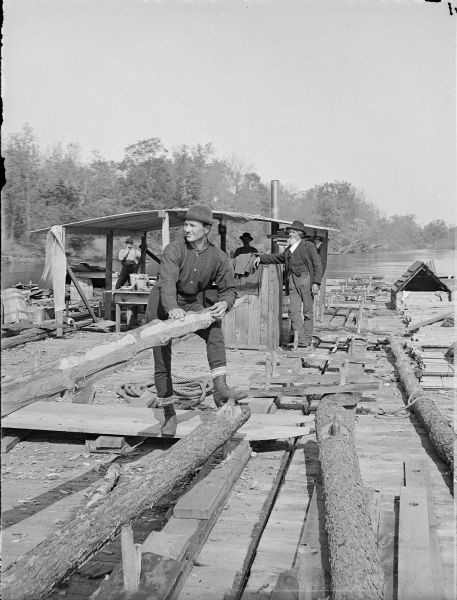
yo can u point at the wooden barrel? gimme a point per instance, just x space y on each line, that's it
13 306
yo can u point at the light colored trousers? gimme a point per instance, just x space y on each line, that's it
301 307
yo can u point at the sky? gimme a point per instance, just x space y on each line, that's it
301 91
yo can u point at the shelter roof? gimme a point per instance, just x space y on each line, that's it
419 278
151 220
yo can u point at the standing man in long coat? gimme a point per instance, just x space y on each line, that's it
303 269
189 266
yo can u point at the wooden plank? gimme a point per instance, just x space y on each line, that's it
387 547
312 557
321 390
110 419
131 560
277 548
225 560
417 475
415 581
202 499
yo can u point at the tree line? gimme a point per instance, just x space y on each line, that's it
56 186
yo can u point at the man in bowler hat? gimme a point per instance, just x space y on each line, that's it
303 269
246 248
190 265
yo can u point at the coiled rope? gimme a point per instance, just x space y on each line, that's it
187 391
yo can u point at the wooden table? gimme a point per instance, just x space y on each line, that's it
128 297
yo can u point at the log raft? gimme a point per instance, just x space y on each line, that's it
356 570
76 540
439 430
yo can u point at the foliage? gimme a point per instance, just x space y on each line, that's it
44 188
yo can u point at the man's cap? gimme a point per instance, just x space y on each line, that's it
129 241
246 236
298 225
200 212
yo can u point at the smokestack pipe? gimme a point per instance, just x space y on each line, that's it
274 212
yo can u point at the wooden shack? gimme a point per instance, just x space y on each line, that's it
256 323
419 283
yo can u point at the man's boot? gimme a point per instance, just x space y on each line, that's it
171 420
222 392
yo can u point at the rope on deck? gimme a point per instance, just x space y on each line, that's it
187 391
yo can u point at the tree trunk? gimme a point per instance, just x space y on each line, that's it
35 573
439 430
62 374
356 571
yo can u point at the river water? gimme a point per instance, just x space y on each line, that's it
389 264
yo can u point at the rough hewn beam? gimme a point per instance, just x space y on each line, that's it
65 372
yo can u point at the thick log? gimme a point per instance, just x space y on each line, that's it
35 573
439 430
64 373
417 326
356 571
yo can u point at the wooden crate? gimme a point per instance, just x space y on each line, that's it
257 322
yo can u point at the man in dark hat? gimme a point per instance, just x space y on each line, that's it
246 248
190 265
303 276
129 258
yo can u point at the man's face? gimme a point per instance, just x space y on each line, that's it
294 236
195 230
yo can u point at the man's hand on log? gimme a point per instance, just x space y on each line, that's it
176 313
219 309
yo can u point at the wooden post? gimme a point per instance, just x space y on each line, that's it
59 313
109 273
360 316
81 293
165 227
143 245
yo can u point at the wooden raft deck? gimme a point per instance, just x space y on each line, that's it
269 537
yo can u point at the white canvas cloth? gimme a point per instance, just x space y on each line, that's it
55 267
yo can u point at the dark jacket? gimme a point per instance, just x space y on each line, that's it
186 272
304 259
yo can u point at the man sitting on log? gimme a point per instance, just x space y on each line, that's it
189 266
303 277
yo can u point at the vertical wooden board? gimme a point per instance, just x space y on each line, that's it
264 303
253 334
312 556
386 544
414 559
241 320
417 475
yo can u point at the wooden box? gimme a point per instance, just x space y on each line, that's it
256 323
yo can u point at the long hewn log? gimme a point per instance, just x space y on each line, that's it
62 374
439 430
35 573
356 571
415 327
